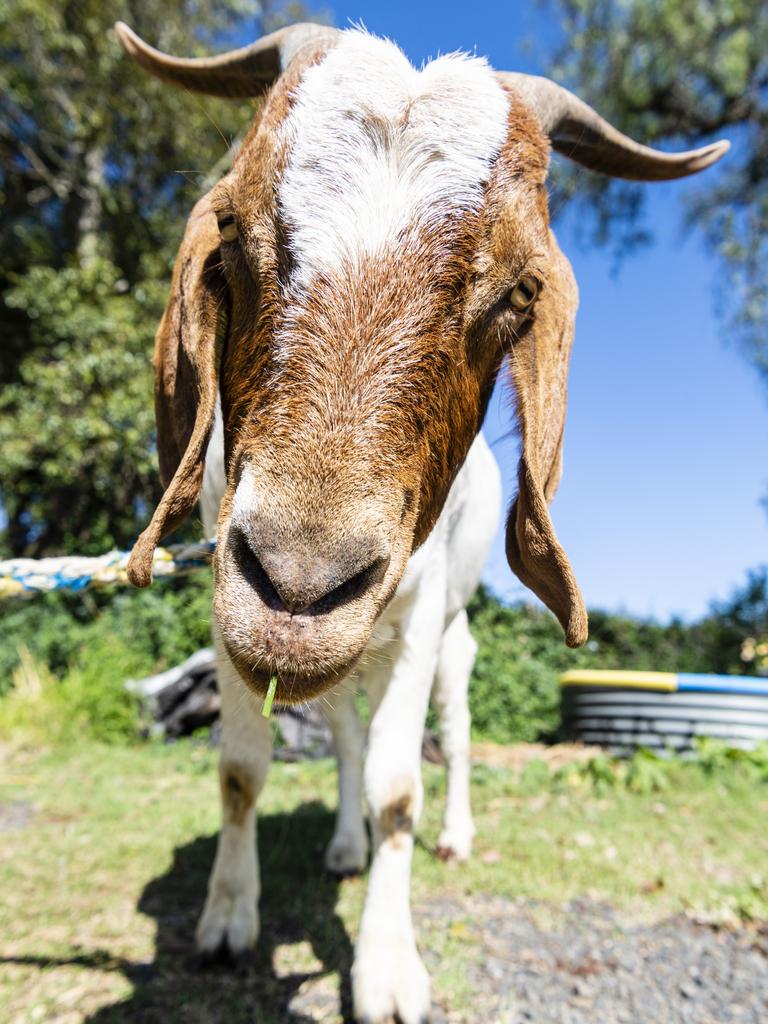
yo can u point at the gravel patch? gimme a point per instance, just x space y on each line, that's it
15 814
589 967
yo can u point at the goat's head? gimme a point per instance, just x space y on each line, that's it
351 289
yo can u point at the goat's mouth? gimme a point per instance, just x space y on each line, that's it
292 687
308 651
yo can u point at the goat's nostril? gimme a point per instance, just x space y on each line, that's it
298 582
351 588
254 572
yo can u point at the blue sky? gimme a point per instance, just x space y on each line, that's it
665 453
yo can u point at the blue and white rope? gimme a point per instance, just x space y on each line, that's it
23 577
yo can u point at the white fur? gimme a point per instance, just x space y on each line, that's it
231 912
347 851
214 474
410 148
449 693
421 643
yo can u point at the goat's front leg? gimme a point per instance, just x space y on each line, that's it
230 920
388 977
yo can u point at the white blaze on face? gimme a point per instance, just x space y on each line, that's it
377 146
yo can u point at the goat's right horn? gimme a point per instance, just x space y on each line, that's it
578 132
236 74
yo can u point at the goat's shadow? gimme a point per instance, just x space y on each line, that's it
298 904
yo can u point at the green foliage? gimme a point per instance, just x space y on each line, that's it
645 772
683 72
79 651
157 628
75 426
642 773
514 691
716 757
88 702
737 629
535 776
515 694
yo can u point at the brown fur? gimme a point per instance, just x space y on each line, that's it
398 816
353 406
238 792
185 381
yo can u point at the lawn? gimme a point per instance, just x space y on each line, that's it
104 854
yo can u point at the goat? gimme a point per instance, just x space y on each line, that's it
341 306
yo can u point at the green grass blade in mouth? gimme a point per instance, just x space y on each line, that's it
267 709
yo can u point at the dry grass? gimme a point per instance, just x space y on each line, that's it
516 756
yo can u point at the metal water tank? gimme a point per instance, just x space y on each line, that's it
663 711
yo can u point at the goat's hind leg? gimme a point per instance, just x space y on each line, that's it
229 925
347 852
450 695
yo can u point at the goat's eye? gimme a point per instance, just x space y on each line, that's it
523 295
228 228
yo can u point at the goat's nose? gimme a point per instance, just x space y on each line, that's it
297 578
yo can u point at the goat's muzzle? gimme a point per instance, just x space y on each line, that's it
298 592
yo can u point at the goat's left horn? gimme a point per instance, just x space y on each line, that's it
236 74
578 132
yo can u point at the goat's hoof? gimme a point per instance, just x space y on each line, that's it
389 1020
455 843
241 962
346 855
227 931
389 982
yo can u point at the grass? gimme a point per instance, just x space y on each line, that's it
105 855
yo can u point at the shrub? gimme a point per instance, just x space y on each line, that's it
66 658
88 702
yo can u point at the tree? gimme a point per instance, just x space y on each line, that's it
99 165
682 72
735 633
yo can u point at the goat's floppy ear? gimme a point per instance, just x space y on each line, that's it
186 380
539 364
